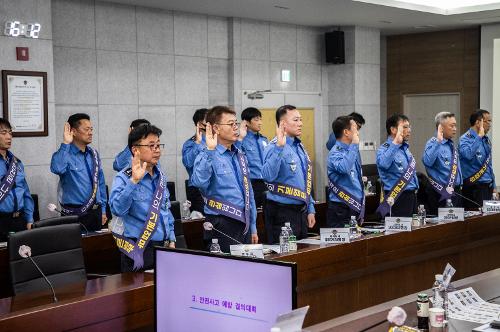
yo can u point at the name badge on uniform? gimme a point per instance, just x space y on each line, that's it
451 214
491 206
247 250
398 224
334 235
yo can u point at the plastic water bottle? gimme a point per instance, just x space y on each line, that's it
214 247
288 229
284 245
118 226
437 291
368 189
292 239
186 215
353 227
422 214
449 204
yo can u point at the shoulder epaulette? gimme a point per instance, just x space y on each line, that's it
386 145
274 140
128 172
468 135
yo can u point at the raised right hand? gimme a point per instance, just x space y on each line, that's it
355 135
481 128
138 169
211 137
280 134
439 135
67 134
398 139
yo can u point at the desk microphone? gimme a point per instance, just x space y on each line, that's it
470 200
25 252
209 227
52 207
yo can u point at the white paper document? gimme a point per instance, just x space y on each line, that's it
466 304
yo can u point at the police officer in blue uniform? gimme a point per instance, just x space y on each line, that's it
16 203
253 144
190 150
288 172
396 167
123 159
475 159
221 173
82 190
441 162
133 194
346 196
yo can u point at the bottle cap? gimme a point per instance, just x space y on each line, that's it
215 240
283 228
287 224
422 297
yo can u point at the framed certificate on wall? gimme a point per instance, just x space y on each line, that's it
25 102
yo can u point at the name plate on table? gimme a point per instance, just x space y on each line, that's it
334 235
398 224
247 250
451 214
491 206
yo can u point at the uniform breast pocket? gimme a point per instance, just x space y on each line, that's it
445 158
399 163
77 168
140 194
222 169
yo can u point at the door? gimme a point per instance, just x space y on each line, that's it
421 109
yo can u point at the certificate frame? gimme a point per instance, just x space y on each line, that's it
25 104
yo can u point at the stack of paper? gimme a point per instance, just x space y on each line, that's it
465 304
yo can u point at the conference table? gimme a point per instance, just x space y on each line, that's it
339 279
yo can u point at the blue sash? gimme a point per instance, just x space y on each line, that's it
228 209
135 250
398 188
67 210
289 191
447 192
9 179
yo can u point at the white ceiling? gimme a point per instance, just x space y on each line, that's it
326 13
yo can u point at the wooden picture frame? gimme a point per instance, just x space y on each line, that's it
25 102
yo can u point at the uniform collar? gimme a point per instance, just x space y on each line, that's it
221 148
292 140
74 149
342 144
403 145
473 133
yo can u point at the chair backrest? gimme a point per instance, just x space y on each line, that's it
58 252
171 190
175 208
62 220
36 210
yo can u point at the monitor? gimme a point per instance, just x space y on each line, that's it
199 291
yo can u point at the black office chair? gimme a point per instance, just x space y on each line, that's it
175 208
62 220
58 252
36 209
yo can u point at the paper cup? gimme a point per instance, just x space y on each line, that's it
436 317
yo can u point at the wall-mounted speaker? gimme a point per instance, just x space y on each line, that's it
334 46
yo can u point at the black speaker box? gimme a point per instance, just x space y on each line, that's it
334 46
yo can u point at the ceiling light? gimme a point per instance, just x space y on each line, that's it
281 7
443 7
285 75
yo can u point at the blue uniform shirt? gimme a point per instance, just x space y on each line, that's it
131 202
331 141
253 145
287 165
19 197
75 168
438 158
217 174
123 160
344 169
473 153
190 151
392 161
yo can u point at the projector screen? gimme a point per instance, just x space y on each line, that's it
197 291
